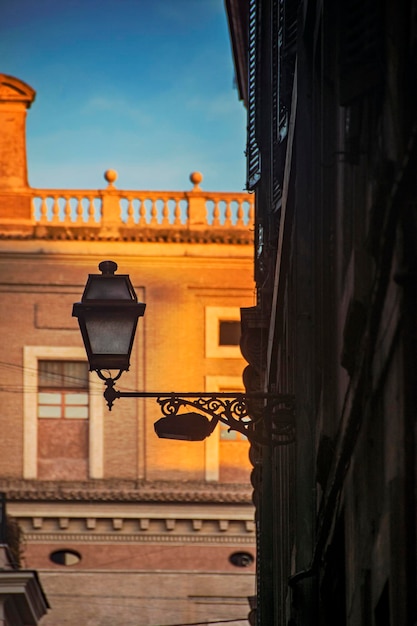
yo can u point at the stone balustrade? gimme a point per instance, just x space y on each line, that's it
112 208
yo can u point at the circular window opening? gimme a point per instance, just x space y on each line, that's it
241 559
65 557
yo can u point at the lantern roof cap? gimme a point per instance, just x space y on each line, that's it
108 267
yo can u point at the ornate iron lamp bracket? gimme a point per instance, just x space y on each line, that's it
242 412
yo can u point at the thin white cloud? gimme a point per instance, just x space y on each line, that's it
117 106
218 106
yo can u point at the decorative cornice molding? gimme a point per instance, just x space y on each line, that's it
247 540
204 521
125 491
13 89
136 235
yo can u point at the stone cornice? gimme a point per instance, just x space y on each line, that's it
138 235
215 539
15 90
48 522
125 491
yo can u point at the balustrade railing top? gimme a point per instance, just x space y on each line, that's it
113 208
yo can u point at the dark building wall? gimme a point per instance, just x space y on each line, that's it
332 115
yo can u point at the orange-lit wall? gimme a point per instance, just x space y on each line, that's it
153 522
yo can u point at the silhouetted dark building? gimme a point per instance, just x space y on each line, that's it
330 90
22 599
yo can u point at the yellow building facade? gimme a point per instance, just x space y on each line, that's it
117 522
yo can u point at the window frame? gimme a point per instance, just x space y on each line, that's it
215 315
31 356
212 443
64 393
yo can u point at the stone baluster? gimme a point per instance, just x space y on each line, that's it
153 213
55 217
142 212
164 213
130 212
67 209
227 214
90 210
78 210
216 213
240 213
44 210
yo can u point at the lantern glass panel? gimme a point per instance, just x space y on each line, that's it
110 335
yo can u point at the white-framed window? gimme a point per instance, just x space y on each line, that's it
63 415
223 332
221 434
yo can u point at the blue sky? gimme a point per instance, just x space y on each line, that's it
145 87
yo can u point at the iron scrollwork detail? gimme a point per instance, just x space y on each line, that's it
231 411
264 418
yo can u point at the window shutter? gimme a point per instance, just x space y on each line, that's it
252 150
283 63
277 106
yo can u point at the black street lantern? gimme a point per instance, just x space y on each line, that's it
108 315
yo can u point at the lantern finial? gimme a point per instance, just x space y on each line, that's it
107 267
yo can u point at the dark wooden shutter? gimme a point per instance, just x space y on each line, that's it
278 108
252 149
283 63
